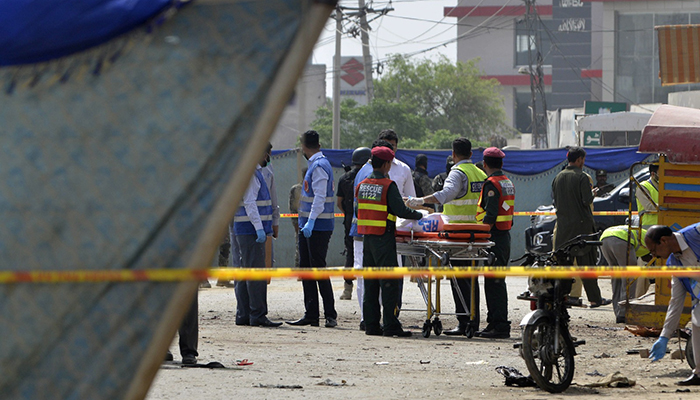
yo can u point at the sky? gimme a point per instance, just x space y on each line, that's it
413 25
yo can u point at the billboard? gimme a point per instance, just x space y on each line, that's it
353 83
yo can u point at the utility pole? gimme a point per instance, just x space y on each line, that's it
535 61
367 60
336 80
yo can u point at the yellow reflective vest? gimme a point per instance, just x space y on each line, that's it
463 209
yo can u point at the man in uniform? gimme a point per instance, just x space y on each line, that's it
616 240
644 204
602 187
573 197
358 247
345 202
495 208
460 196
252 223
316 219
681 248
378 205
439 180
421 180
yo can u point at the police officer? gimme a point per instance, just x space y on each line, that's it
316 219
460 196
252 223
345 202
495 208
378 204
645 204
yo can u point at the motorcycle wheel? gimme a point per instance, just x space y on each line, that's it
552 369
689 352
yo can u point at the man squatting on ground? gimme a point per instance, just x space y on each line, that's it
378 204
681 248
460 196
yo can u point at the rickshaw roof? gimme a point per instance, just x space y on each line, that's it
675 132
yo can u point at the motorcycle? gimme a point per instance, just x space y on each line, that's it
547 346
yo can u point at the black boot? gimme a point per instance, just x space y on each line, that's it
461 329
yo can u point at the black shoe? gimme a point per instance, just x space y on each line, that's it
362 325
693 380
331 323
399 333
304 321
460 330
374 332
189 360
620 320
493 334
603 302
169 356
243 322
266 323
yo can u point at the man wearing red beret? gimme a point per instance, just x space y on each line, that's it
495 208
378 204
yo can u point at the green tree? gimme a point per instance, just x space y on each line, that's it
428 103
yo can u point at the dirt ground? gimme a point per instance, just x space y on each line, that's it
343 363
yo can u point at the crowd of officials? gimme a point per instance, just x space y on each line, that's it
378 188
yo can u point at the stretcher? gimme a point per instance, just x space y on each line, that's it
454 243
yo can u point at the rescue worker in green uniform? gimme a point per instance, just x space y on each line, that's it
378 204
495 208
460 196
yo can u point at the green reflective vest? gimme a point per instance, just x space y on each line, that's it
620 232
648 220
463 209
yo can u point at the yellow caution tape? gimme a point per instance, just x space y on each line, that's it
179 275
517 213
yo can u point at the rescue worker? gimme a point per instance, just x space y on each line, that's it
252 223
495 208
644 204
358 248
378 204
316 219
615 242
345 202
681 248
459 196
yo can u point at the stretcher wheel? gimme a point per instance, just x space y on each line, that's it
437 327
469 332
427 326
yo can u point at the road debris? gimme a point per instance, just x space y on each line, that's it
614 380
267 386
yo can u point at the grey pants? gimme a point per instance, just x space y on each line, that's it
615 252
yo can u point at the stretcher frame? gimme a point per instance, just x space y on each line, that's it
444 251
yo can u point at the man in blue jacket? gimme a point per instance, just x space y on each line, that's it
681 248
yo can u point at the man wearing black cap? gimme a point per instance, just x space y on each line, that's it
345 201
316 221
602 187
378 204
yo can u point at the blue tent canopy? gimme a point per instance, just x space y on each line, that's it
37 31
521 162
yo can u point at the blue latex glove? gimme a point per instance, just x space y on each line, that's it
308 228
261 236
658 350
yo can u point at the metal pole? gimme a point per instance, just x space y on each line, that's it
366 57
336 81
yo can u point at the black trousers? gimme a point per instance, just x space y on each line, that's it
189 331
312 254
251 296
380 251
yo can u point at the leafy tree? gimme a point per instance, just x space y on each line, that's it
428 103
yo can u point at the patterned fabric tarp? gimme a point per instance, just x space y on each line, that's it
119 169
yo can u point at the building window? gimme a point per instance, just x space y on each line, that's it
523 115
522 37
637 57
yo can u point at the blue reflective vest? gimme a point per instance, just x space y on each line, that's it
692 238
241 222
326 220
